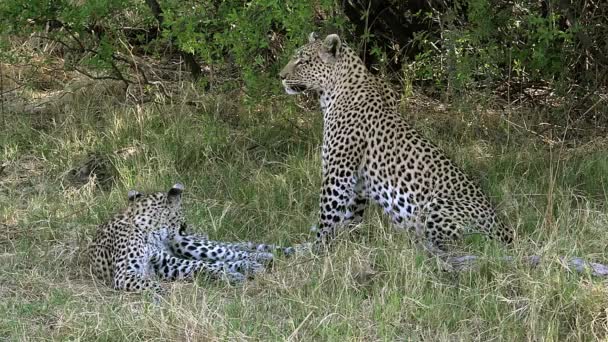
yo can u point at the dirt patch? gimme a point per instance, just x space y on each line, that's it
22 173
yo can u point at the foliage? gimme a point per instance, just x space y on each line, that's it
488 42
251 35
475 43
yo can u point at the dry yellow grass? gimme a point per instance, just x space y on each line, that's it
256 176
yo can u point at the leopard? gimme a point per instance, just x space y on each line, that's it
371 154
147 242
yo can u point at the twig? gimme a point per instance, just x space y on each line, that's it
1 84
118 74
542 137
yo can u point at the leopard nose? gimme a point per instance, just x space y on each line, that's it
283 73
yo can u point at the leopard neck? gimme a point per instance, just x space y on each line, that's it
347 76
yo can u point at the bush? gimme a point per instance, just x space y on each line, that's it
526 42
100 36
453 45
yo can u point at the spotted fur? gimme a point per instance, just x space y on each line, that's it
134 249
191 246
370 152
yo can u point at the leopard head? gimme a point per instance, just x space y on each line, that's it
157 210
312 66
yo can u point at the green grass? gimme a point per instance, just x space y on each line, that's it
256 176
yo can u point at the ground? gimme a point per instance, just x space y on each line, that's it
253 172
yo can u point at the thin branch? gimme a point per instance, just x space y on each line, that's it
118 74
10 90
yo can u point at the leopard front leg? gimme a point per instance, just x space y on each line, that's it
357 205
130 274
260 248
200 248
168 267
337 196
131 271
135 282
354 211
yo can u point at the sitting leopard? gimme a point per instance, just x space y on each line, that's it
147 241
370 152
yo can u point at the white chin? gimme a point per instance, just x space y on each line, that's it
289 90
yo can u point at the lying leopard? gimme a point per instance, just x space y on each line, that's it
146 242
370 152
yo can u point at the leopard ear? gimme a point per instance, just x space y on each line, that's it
330 51
176 190
312 37
133 194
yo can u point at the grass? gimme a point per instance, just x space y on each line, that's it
253 173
